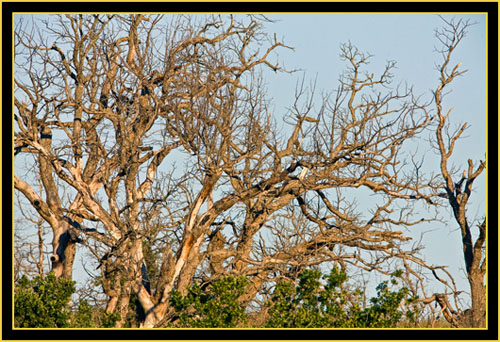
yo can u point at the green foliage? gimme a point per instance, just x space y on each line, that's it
311 305
42 302
384 312
91 317
215 307
83 317
109 319
316 301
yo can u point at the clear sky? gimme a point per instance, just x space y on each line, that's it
409 40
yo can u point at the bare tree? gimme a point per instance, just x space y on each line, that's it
458 187
109 106
29 255
30 247
98 110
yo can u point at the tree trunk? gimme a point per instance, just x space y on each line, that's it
64 247
478 294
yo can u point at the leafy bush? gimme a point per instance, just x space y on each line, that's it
91 317
42 302
215 307
384 312
83 318
311 305
316 301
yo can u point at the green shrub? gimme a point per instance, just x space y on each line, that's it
316 301
108 319
310 304
215 307
42 302
83 318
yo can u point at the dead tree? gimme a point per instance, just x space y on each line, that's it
109 105
458 188
101 114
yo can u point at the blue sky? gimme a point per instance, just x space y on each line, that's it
409 40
